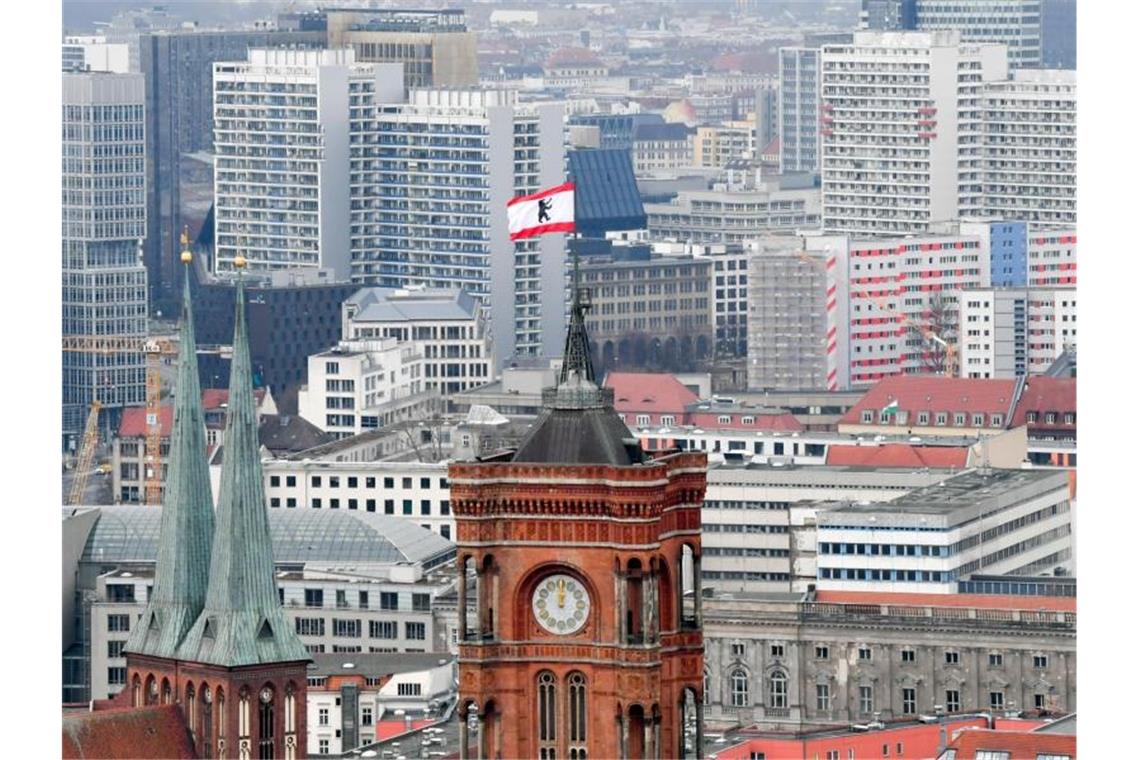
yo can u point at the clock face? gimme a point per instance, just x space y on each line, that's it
561 604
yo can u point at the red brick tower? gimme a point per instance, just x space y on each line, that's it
587 639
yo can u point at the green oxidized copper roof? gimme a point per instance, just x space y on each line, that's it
242 622
183 562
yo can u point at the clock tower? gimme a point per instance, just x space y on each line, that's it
583 638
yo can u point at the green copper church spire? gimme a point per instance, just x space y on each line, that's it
183 567
242 622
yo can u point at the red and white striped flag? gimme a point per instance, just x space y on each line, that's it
550 210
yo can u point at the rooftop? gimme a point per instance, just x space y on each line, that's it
899 455
410 305
935 393
648 392
375 664
977 601
130 534
137 732
1018 745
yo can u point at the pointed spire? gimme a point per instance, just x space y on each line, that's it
187 529
576 352
242 622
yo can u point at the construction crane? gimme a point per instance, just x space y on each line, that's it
86 455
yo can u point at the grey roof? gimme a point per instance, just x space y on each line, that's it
376 664
284 433
242 622
579 436
399 305
125 534
187 529
657 132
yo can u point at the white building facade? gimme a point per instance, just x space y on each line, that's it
901 131
428 191
731 216
352 384
447 327
1030 148
1051 257
282 142
1006 332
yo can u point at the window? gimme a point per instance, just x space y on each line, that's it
366 715
409 689
416 631
822 696
959 419
1039 701
291 502
737 649
291 481
323 746
382 629
907 655
997 700
347 628
991 754
407 506
924 418
868 416
316 481
951 657
275 481
341 599
389 600
953 701
821 652
547 720
120 623
389 507
940 419
739 686
421 602
979 420
778 690
833 754
370 505
309 626
316 503
578 711
116 676
996 660
1040 661
776 650
865 654
115 649
425 506
866 700
334 481
362 599
445 507
322 716
314 597
445 531
909 702
332 368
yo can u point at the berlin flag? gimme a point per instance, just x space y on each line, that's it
549 210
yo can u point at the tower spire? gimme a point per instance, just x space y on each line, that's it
242 622
187 530
576 351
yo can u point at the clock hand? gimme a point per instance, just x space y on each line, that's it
561 593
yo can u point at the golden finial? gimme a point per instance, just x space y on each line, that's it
239 262
185 240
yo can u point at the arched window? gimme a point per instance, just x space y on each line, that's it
739 683
778 690
207 721
192 714
220 709
166 693
290 720
576 683
265 716
243 714
547 714
136 691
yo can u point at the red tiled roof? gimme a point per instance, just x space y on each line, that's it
898 455
133 422
388 729
139 732
1047 394
983 601
782 422
649 393
572 55
935 393
1019 744
772 148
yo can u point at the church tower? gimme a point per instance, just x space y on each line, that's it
586 639
214 637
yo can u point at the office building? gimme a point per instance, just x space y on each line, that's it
104 223
902 129
434 46
616 130
732 215
1005 332
661 148
428 200
788 338
281 176
1013 23
1029 147
992 522
729 293
799 109
783 662
888 15
715 146
178 66
447 328
1059 34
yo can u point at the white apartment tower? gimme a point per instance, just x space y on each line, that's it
901 130
429 207
1030 148
1007 332
104 224
799 109
282 141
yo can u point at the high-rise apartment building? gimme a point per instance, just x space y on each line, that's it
1013 23
1030 147
429 189
104 224
901 131
281 176
179 70
1006 332
433 45
799 109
